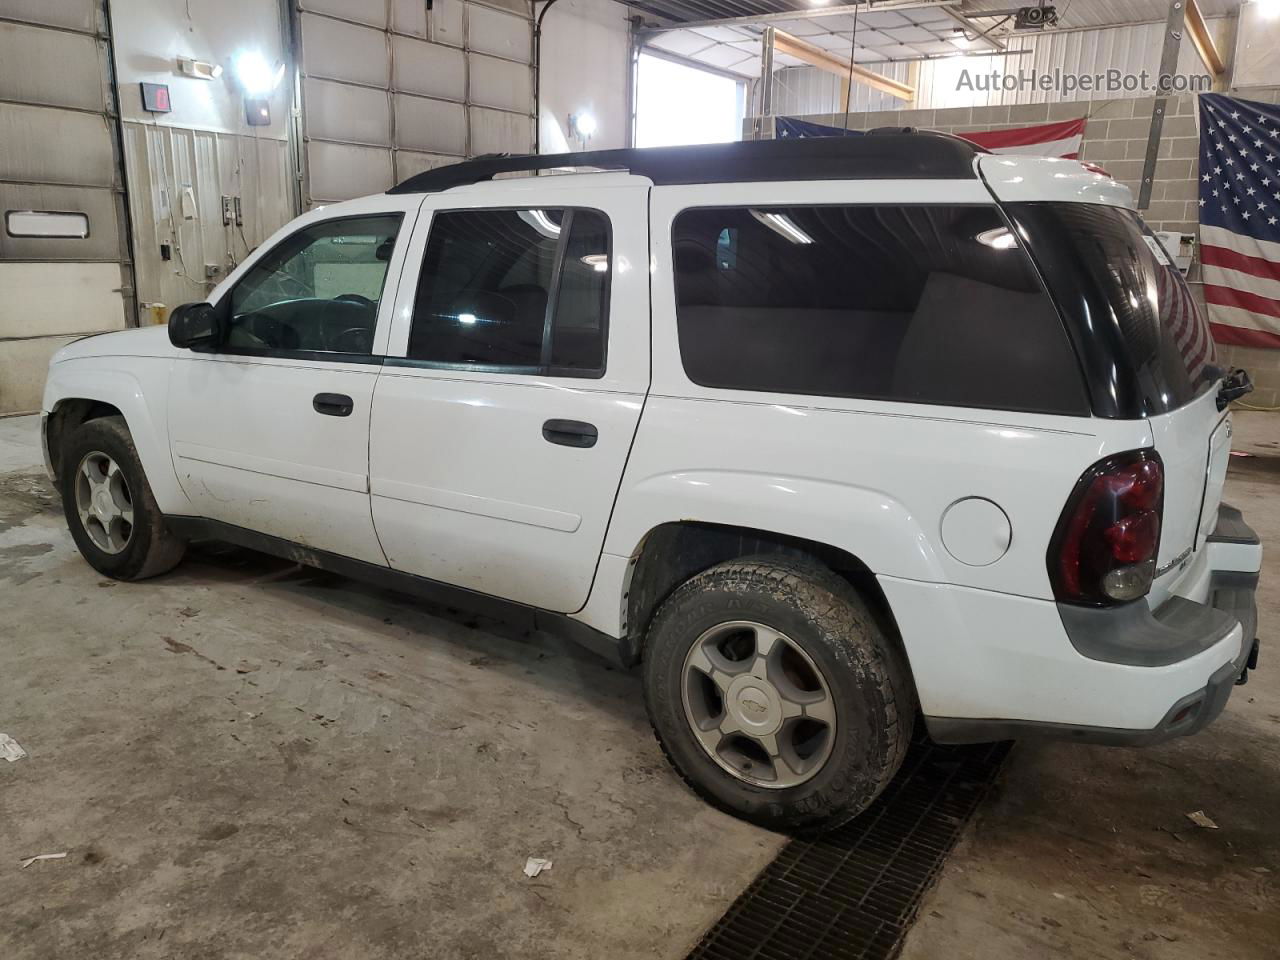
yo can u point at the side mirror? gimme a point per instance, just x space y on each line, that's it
196 325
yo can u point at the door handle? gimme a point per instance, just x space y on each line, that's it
333 404
570 433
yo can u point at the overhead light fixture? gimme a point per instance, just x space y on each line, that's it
599 262
539 220
998 238
782 225
256 77
1268 8
582 125
200 69
467 319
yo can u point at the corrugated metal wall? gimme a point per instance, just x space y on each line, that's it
163 163
390 89
1131 49
801 90
58 153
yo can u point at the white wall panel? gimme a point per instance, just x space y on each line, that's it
72 14
150 35
52 67
434 126
101 205
345 112
390 87
585 48
60 298
447 22
342 172
499 34
496 131
55 146
500 83
429 69
372 12
342 51
409 163
409 17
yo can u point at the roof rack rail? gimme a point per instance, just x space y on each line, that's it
888 154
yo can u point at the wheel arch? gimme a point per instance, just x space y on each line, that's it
671 553
74 397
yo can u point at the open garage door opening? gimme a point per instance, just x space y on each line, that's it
677 104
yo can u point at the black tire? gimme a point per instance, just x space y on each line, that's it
151 549
865 671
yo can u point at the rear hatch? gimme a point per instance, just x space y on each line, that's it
1146 353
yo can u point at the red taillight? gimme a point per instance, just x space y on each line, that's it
1104 549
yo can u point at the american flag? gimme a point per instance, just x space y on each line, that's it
1240 219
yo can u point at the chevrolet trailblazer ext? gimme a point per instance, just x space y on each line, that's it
833 437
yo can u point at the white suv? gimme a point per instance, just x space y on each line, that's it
831 436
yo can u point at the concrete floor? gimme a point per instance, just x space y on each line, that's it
246 759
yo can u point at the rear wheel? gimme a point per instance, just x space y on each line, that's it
109 506
775 694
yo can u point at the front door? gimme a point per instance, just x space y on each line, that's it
514 381
270 432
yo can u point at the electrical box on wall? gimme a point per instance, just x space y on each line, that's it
257 113
155 98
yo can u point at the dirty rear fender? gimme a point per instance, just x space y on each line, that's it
137 387
869 524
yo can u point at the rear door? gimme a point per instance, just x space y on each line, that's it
514 382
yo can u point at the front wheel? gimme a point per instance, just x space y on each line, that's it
109 506
775 695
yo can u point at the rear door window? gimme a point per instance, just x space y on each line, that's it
1143 340
922 304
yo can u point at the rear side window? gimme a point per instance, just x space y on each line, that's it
1144 342
515 290
922 304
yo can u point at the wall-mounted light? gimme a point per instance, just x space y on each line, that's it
582 125
199 69
256 77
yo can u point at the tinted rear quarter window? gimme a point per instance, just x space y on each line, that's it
1143 340
923 304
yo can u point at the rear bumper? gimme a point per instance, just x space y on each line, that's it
1176 665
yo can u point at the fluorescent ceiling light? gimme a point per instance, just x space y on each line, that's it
467 318
782 225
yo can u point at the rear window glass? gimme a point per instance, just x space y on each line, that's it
923 304
1143 340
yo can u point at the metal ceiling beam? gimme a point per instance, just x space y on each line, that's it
824 60
816 13
983 35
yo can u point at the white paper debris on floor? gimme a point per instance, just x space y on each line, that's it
535 865
9 748
1199 818
28 861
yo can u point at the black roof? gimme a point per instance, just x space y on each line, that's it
896 154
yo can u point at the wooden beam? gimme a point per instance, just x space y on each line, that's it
1198 30
823 60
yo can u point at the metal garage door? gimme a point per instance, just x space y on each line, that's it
391 88
64 255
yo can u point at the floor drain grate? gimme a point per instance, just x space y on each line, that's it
853 894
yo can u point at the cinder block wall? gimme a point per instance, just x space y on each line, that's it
1115 138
